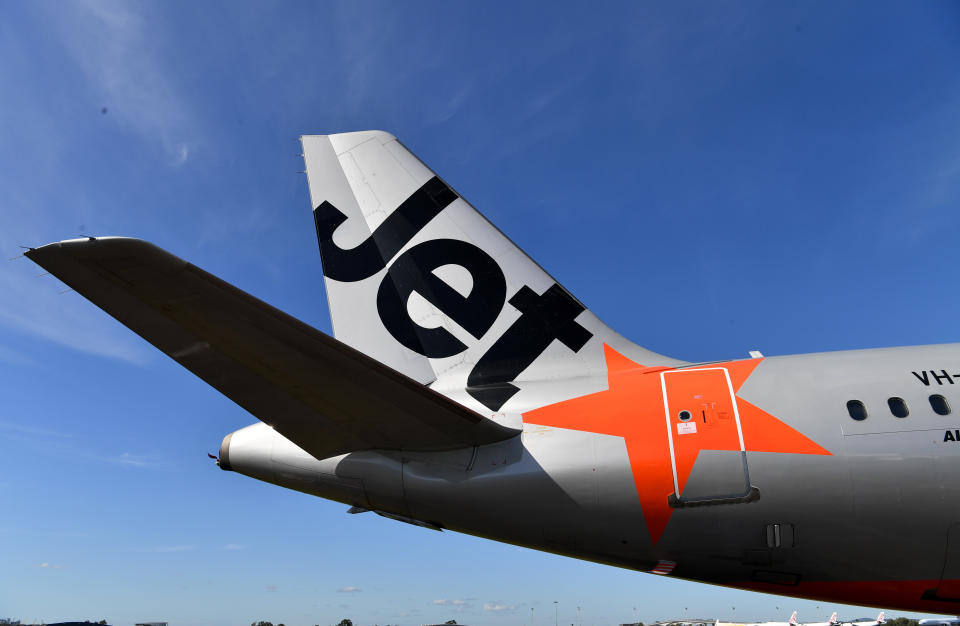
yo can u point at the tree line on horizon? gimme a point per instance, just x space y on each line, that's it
343 622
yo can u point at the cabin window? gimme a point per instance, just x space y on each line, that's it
684 416
856 410
898 407
939 404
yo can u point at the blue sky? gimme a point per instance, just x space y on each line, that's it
709 178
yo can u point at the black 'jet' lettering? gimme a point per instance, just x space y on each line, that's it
375 252
544 318
413 271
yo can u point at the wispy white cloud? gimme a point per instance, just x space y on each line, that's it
182 154
16 428
62 444
234 546
117 49
134 460
349 589
49 566
493 606
41 306
128 459
115 45
14 356
459 604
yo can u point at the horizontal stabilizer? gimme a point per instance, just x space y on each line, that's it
323 395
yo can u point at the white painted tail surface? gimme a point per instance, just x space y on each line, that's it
420 280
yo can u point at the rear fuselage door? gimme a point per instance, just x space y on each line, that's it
707 455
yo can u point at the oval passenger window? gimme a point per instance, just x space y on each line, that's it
939 404
856 410
898 407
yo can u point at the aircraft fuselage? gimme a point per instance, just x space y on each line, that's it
863 511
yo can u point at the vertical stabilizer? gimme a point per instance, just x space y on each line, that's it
421 281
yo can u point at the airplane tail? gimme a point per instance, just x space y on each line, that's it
793 619
833 618
419 280
881 619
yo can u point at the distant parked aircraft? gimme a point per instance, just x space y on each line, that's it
465 389
939 622
791 622
832 622
867 622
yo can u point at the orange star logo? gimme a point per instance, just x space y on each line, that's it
667 416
